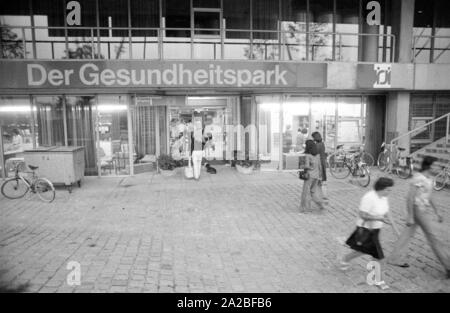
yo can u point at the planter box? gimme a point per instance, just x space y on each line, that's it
244 170
167 173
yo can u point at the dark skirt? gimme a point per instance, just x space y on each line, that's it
371 244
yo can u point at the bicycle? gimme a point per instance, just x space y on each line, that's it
402 165
442 179
342 166
16 187
366 157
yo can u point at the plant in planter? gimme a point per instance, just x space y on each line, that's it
167 165
247 166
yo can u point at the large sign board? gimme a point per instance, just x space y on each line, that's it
69 74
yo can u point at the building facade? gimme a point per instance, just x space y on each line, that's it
123 78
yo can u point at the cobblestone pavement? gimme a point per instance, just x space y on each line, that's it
225 233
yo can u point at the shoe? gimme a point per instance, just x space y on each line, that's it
403 265
343 266
382 285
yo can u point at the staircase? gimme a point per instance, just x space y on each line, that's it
438 149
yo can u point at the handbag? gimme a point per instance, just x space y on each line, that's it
189 170
303 174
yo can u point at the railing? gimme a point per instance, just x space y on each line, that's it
187 43
431 49
424 126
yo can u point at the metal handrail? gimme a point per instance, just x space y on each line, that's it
447 116
430 38
160 35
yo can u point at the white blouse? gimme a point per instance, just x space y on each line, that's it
374 205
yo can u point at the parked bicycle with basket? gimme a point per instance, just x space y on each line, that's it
342 164
391 159
16 187
442 179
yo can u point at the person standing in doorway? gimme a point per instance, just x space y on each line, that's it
17 141
311 185
197 144
419 202
373 212
320 146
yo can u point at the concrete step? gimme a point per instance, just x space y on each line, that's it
442 151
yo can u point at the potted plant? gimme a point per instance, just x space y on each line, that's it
246 166
167 165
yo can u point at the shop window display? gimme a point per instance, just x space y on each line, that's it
16 129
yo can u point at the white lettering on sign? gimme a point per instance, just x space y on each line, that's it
90 74
37 76
74 16
93 77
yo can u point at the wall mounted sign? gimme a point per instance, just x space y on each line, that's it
64 74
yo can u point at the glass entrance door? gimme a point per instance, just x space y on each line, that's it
113 148
215 113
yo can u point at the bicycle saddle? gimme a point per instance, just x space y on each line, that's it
339 146
401 149
33 167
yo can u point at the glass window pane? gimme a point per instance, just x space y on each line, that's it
321 25
236 14
144 13
207 3
80 114
113 14
423 22
149 127
49 119
15 13
442 45
323 119
207 20
347 21
178 15
265 17
293 25
113 152
351 116
49 13
296 125
269 131
16 126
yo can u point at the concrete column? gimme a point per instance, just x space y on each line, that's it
369 43
397 117
402 28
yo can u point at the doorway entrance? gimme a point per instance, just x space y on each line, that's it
216 113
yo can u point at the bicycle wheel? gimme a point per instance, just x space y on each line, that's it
45 189
439 181
383 160
404 171
362 176
367 158
14 188
338 167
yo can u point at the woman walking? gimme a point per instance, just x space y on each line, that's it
373 212
419 201
320 146
311 185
